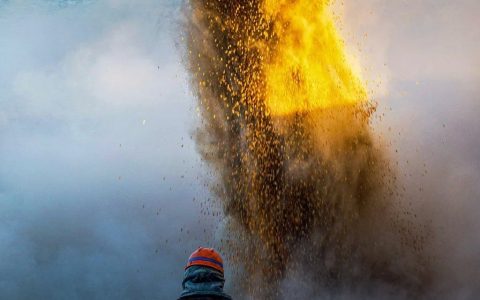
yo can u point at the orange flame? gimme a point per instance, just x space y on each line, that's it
308 69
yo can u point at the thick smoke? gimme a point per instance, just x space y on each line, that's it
310 196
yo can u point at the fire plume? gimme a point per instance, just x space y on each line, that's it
308 69
285 128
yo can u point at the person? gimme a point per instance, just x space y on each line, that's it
204 279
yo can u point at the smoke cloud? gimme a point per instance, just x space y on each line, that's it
429 69
98 170
102 194
310 189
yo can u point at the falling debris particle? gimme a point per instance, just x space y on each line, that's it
285 128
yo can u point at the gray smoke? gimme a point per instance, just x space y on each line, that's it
97 168
420 221
429 106
308 191
78 212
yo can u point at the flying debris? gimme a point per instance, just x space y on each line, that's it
285 127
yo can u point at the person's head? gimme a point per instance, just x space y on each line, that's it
204 276
206 257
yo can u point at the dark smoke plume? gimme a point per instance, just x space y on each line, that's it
309 195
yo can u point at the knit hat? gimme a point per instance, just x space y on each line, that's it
207 257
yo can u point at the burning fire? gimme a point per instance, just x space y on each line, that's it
285 127
308 69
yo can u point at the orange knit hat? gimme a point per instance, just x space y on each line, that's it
207 257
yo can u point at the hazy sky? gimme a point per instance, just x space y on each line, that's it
98 171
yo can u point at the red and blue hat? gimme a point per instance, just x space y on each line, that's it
207 257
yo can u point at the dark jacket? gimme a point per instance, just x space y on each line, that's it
203 283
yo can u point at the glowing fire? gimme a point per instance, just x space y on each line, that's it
308 69
285 128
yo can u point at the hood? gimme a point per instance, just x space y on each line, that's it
203 281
